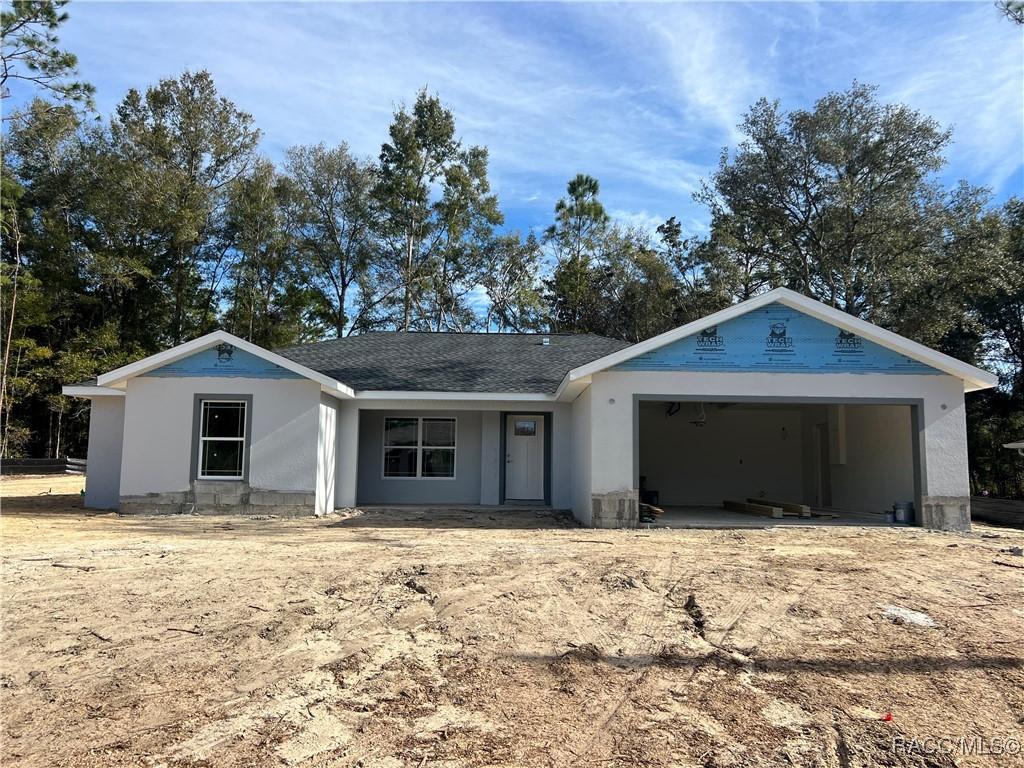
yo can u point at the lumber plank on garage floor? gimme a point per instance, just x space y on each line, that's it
787 507
753 508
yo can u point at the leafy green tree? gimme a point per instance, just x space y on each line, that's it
431 243
264 302
996 417
29 53
185 144
703 275
636 291
1001 309
39 281
841 203
335 231
515 302
575 240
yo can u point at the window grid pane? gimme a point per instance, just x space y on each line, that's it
401 431
222 458
223 419
400 462
526 428
439 432
438 462
222 439
419 447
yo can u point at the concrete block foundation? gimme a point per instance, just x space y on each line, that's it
619 509
211 497
946 513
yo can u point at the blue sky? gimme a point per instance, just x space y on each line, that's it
643 97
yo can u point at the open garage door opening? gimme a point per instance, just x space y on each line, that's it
756 463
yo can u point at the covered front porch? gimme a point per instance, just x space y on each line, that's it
448 457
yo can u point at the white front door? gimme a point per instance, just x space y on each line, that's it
524 458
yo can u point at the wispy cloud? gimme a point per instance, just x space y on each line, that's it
641 96
643 220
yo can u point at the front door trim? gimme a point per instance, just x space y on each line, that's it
547 451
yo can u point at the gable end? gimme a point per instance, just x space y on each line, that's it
225 361
776 338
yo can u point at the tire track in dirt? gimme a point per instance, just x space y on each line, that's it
601 731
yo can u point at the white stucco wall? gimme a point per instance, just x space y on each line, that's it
562 464
347 456
158 432
326 455
490 457
944 441
581 458
103 468
878 469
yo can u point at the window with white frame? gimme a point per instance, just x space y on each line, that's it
222 440
419 447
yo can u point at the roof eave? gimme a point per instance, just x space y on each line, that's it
380 394
78 390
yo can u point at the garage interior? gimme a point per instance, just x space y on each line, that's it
724 464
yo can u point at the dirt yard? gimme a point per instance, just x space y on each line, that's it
487 641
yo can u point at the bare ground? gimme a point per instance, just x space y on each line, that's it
486 640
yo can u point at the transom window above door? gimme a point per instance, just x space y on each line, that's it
419 447
222 440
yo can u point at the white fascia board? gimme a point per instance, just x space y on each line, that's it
338 391
473 396
90 391
153 362
973 378
570 389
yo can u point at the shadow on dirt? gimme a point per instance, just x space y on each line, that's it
673 658
439 518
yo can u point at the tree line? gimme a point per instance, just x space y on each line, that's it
126 235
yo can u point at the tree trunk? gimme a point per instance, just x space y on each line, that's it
179 292
60 423
407 301
16 234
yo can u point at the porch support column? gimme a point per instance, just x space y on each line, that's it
614 495
945 484
490 456
348 454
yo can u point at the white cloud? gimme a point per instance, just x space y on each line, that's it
643 220
641 96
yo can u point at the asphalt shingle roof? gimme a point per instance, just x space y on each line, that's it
452 362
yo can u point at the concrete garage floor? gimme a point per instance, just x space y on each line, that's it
716 517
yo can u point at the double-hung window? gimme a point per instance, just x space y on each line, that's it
222 440
419 447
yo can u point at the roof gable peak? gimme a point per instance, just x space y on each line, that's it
973 378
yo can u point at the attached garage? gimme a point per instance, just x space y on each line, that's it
849 462
780 398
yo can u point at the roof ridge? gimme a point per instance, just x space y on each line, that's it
461 334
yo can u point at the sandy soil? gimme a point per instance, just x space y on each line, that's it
491 641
